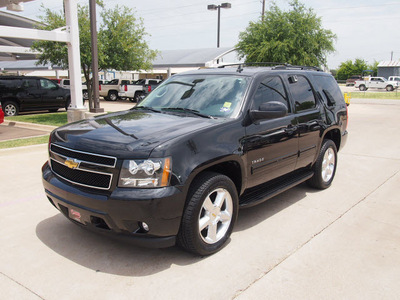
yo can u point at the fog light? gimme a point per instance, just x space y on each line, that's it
144 226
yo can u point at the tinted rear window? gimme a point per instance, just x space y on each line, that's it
327 84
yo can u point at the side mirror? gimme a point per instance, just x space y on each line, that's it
269 110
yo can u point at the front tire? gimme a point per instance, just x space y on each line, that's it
85 95
67 103
325 166
209 215
10 108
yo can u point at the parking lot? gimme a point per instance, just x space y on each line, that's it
340 243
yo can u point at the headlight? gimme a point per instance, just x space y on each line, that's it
147 173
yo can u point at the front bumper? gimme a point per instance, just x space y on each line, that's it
120 212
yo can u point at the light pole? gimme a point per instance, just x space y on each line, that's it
218 7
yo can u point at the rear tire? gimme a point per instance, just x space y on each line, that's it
139 96
113 96
362 88
209 215
325 166
389 88
10 108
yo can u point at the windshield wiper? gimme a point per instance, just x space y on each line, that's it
192 111
146 108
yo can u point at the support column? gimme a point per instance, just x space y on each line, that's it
77 110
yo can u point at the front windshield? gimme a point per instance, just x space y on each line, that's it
210 95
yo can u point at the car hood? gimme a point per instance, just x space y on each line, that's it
129 133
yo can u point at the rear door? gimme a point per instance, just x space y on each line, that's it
308 116
29 94
271 145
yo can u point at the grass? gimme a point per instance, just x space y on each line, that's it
376 95
24 142
53 119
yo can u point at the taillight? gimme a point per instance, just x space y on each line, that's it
99 87
149 88
125 88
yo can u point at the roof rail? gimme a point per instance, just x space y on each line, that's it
274 65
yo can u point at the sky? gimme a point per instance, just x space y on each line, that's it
366 29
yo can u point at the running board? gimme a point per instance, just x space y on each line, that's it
270 189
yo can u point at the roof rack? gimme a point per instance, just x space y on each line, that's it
274 65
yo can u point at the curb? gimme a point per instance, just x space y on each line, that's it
47 128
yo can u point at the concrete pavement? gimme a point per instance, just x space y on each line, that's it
340 243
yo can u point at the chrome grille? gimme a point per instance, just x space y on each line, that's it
82 168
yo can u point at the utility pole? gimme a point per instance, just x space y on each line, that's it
95 60
391 56
263 11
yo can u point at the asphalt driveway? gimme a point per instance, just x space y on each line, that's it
340 243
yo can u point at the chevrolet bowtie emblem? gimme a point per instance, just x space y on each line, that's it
71 163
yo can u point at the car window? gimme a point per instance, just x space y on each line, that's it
29 83
302 92
140 81
329 88
112 82
270 89
10 83
47 84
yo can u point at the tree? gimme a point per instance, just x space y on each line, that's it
294 37
123 45
120 41
349 68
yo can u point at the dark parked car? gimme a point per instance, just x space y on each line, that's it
28 93
176 168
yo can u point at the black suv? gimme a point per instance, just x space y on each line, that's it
176 168
28 93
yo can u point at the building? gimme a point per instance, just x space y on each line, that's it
389 68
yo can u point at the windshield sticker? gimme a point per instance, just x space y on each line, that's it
226 107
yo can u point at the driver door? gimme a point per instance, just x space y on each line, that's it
271 145
52 95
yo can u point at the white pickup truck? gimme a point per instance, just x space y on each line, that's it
394 78
138 89
376 83
109 91
66 84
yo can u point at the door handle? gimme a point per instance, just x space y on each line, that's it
291 130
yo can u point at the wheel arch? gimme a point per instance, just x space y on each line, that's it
335 136
230 168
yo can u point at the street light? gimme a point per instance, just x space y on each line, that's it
218 7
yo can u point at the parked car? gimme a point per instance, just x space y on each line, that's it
177 167
66 84
1 115
376 83
137 90
394 78
351 81
28 93
109 91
